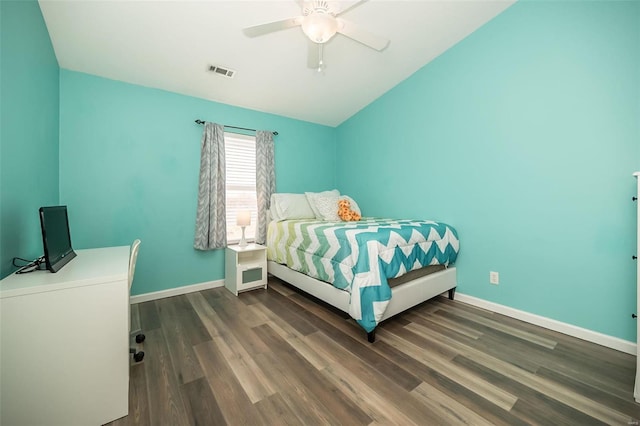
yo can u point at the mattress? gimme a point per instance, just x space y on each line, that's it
361 257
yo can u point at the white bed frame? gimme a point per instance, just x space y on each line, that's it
403 296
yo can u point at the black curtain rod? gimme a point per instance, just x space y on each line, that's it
239 128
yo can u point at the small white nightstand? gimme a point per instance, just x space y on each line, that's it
245 268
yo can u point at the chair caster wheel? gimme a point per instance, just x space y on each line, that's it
138 356
140 338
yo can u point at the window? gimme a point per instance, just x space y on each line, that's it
240 153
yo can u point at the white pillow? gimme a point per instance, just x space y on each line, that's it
312 197
354 206
327 206
272 208
291 206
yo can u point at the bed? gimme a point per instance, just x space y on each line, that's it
371 269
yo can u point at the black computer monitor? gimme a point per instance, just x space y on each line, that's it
56 237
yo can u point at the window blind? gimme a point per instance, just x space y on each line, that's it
240 153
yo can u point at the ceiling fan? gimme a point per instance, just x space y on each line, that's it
320 21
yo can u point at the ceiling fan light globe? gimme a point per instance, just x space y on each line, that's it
319 27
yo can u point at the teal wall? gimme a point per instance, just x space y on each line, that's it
29 101
524 136
129 164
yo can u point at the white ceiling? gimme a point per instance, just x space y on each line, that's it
170 44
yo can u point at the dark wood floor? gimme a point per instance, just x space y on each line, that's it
278 357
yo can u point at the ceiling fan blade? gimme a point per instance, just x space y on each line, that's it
271 27
351 7
313 55
356 33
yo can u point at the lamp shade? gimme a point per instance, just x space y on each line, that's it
243 218
319 26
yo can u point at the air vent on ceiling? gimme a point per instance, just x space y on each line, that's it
225 72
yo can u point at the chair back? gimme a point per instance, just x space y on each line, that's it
132 260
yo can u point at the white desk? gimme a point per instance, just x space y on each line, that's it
64 342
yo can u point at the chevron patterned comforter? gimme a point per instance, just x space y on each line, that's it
359 257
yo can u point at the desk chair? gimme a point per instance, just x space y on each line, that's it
137 356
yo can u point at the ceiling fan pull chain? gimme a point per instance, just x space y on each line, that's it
320 57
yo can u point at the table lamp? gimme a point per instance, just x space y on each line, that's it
243 220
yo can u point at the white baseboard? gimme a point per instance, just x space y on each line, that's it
145 297
551 324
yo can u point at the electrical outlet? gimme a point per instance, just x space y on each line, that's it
494 277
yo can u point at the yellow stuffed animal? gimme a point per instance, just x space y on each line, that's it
345 213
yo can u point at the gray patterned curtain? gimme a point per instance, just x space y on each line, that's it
265 180
211 225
